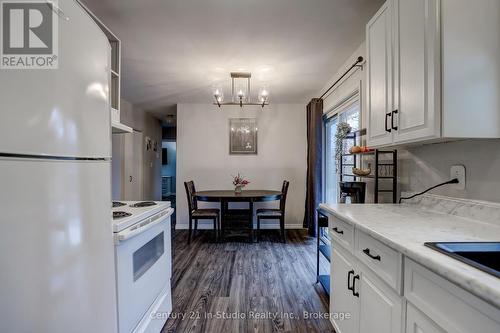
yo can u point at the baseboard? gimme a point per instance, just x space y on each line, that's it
208 225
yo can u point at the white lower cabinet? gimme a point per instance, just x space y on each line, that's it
342 299
417 322
372 306
450 307
381 307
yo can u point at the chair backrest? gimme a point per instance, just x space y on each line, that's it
190 190
284 191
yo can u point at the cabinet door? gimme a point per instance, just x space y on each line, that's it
342 299
379 77
417 71
417 322
380 307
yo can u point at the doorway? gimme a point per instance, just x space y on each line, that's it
169 168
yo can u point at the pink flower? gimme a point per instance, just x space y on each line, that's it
239 180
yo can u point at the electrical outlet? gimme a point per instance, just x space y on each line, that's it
458 171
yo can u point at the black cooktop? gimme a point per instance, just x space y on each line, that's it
143 204
118 204
120 215
481 255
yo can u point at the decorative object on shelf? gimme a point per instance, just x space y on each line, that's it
240 92
360 150
342 130
243 136
355 150
149 143
239 182
362 172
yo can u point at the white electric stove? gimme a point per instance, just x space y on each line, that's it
143 264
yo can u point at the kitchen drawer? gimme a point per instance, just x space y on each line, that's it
384 261
342 232
449 306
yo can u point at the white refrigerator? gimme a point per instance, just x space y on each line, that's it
56 248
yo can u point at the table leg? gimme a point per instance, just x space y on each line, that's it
250 206
223 209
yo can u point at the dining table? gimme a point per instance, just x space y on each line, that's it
224 197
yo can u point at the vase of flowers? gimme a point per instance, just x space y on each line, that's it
239 182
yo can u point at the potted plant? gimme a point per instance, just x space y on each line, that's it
343 129
239 182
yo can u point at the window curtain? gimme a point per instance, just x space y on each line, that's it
314 163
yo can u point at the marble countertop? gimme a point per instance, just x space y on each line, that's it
406 228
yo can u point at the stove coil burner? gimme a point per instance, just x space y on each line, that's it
120 215
118 204
143 204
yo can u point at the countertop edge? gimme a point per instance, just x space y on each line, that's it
485 293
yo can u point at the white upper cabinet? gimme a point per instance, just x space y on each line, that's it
379 77
417 71
438 75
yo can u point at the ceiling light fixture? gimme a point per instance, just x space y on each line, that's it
240 92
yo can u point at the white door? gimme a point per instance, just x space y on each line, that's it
132 166
380 307
63 111
342 299
379 77
417 322
417 71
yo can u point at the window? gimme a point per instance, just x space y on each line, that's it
349 112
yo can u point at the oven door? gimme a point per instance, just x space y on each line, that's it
143 267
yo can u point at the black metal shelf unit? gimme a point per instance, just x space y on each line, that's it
324 249
376 153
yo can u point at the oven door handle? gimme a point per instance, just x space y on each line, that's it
143 226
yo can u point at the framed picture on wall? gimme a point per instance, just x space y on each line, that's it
243 136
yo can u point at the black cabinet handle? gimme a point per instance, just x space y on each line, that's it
338 231
387 129
354 292
351 272
367 252
392 120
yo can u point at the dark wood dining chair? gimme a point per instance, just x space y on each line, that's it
275 214
196 213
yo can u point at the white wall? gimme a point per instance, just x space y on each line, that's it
424 166
203 153
144 122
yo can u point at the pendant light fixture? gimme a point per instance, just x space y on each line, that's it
240 92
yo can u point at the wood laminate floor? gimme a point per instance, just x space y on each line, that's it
242 287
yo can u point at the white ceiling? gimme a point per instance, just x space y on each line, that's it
174 50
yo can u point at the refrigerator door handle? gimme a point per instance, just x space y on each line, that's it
143 226
56 9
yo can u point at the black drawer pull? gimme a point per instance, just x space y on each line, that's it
387 129
351 272
367 252
392 120
338 231
354 292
